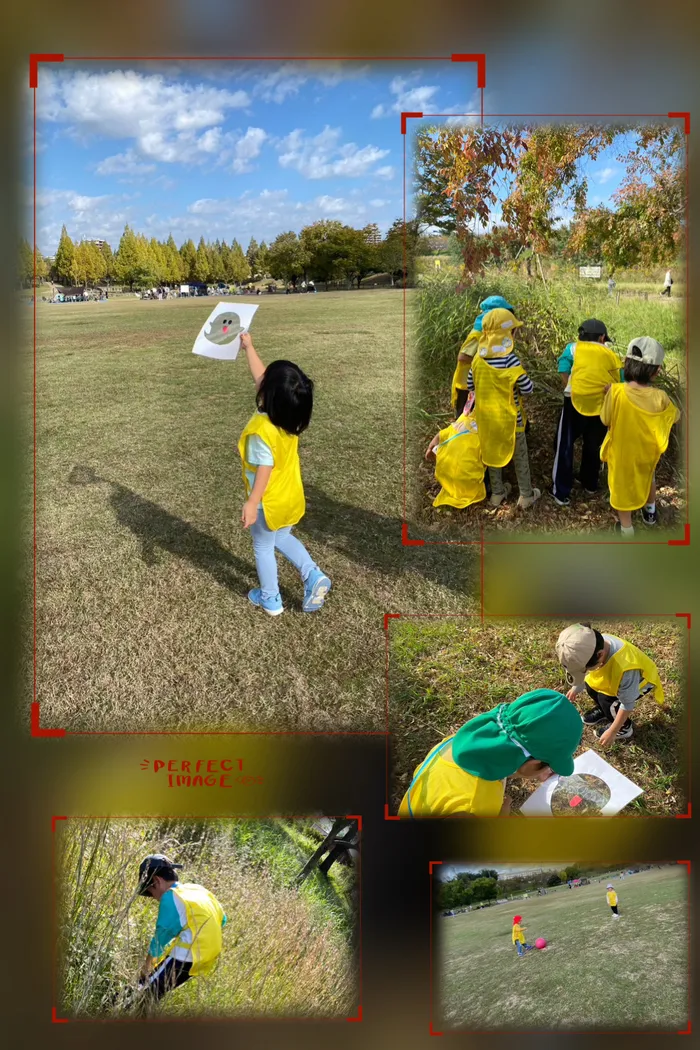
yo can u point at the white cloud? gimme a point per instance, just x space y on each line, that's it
408 97
289 78
604 176
168 122
84 216
322 156
386 172
125 164
247 149
377 203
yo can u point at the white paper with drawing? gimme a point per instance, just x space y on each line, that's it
219 336
595 789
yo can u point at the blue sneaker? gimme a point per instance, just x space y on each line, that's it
272 606
316 588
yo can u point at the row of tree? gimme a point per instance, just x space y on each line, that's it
325 251
464 176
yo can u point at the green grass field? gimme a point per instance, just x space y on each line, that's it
287 950
597 972
444 672
143 565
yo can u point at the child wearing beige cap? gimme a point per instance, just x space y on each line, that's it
639 420
614 673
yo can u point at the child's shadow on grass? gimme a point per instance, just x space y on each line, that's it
374 541
158 530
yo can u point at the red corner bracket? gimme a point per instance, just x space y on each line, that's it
685 616
34 61
53 823
430 865
685 542
686 119
480 67
359 1015
55 1019
405 542
395 616
36 728
404 117
388 815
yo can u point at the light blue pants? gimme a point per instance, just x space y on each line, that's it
265 542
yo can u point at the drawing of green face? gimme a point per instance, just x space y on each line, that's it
224 328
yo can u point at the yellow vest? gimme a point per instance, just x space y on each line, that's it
283 500
441 789
518 934
595 367
612 898
632 447
496 410
204 918
461 373
459 468
606 679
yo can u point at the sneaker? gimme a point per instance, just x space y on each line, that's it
594 717
626 733
496 500
561 501
527 501
316 589
649 516
272 606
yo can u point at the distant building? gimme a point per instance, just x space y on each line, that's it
98 242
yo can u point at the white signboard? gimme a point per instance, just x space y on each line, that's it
595 789
219 336
184 289
590 271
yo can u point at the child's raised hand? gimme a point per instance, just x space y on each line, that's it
246 341
249 514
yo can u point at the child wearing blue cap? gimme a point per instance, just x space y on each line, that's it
460 390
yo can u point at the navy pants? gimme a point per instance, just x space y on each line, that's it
170 974
573 425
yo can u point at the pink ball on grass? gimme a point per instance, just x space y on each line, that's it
540 943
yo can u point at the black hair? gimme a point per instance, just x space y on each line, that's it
636 371
588 337
599 645
286 394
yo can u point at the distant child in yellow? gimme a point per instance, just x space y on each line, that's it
612 901
465 774
639 420
518 936
458 464
269 451
500 383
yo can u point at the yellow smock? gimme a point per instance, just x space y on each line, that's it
459 467
440 788
283 501
496 410
606 679
518 934
595 367
612 898
633 445
204 918
461 373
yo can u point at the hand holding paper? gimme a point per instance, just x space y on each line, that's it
219 336
596 788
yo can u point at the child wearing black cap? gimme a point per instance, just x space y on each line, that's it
587 367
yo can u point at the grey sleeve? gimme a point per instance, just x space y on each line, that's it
628 691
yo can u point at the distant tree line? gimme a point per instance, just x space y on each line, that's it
324 251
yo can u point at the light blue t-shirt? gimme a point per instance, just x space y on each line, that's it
169 924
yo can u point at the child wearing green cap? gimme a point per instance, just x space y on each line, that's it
465 774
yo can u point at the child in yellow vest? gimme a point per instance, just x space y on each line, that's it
500 382
518 936
639 420
460 389
458 464
612 901
615 674
465 774
269 450
587 367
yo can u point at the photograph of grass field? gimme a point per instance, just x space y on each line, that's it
288 949
142 563
595 973
445 671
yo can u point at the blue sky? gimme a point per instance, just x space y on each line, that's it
234 150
